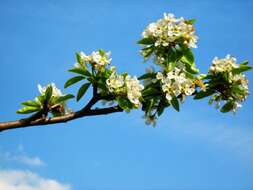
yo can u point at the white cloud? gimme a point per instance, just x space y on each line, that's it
236 139
21 157
27 180
32 161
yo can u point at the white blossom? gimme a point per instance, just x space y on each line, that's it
115 82
223 65
237 81
169 29
99 59
175 83
159 76
84 57
125 85
134 89
55 91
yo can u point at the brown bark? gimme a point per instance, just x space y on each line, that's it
84 112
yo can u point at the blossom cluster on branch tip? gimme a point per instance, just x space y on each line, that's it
170 30
56 92
51 100
226 64
227 78
125 85
175 83
97 59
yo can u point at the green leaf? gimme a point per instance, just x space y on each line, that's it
28 109
190 68
202 94
244 63
147 75
174 102
78 58
191 21
150 105
80 71
146 41
48 93
150 92
227 107
241 68
189 75
101 52
146 52
64 98
172 65
31 103
82 91
187 56
124 103
236 89
161 107
73 80
173 55
41 99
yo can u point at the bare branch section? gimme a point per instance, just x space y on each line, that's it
84 112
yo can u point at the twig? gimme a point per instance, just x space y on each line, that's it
38 119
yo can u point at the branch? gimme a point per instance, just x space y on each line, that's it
39 119
27 122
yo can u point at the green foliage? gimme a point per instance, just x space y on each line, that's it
175 103
64 98
229 106
82 91
124 103
48 93
28 110
146 41
147 75
73 80
31 103
203 94
242 68
81 71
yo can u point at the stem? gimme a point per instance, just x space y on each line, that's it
27 122
38 119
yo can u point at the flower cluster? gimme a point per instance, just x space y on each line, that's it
170 30
51 100
223 65
115 82
134 89
125 85
234 88
57 101
55 91
98 59
175 83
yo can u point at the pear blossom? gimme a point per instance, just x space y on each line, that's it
125 85
115 82
236 81
55 91
175 83
170 29
134 89
226 64
99 59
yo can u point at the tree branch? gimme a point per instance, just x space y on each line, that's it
27 122
39 119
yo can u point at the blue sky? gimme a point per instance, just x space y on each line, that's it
198 148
